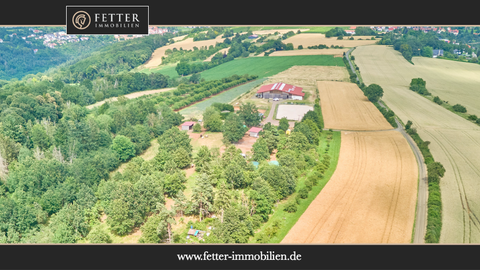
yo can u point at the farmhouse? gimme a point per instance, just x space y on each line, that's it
187 125
281 90
254 131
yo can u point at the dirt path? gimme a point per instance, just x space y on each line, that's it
130 96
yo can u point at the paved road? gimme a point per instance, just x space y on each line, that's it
348 58
422 196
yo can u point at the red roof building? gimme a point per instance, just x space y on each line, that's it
254 131
187 125
280 90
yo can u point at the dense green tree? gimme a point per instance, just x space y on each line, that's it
234 175
174 183
249 114
182 158
260 150
124 147
40 137
237 226
283 125
203 156
233 129
174 139
264 196
280 178
120 219
373 92
212 120
222 200
98 236
197 127
202 196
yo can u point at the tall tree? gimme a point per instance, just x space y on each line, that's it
233 129
249 114
222 200
202 196
374 92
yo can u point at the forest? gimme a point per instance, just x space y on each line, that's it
18 58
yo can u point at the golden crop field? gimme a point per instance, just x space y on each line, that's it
336 52
370 198
454 141
310 39
345 107
187 44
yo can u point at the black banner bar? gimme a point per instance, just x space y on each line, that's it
299 256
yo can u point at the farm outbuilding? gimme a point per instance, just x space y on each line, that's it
254 131
187 125
281 91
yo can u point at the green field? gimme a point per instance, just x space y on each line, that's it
225 97
168 70
322 29
268 65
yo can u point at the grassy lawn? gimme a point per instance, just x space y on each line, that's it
225 97
268 66
287 220
322 29
167 70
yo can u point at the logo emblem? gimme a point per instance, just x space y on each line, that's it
81 20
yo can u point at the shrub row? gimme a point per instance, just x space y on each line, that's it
435 171
388 114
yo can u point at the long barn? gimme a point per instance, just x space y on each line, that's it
281 91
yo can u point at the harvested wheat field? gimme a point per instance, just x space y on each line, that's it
336 52
310 39
345 107
187 44
370 198
454 141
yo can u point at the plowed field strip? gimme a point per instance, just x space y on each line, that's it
336 200
395 194
358 175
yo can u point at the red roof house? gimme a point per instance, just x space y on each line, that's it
254 131
280 90
187 125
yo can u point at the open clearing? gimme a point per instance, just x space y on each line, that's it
293 112
358 206
187 44
336 52
454 141
345 107
130 96
311 39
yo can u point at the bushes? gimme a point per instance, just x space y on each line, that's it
419 85
437 100
459 108
435 171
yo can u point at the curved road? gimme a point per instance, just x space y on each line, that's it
348 58
422 193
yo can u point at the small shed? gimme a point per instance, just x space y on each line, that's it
187 125
254 131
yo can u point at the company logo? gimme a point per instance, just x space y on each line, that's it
107 20
81 20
